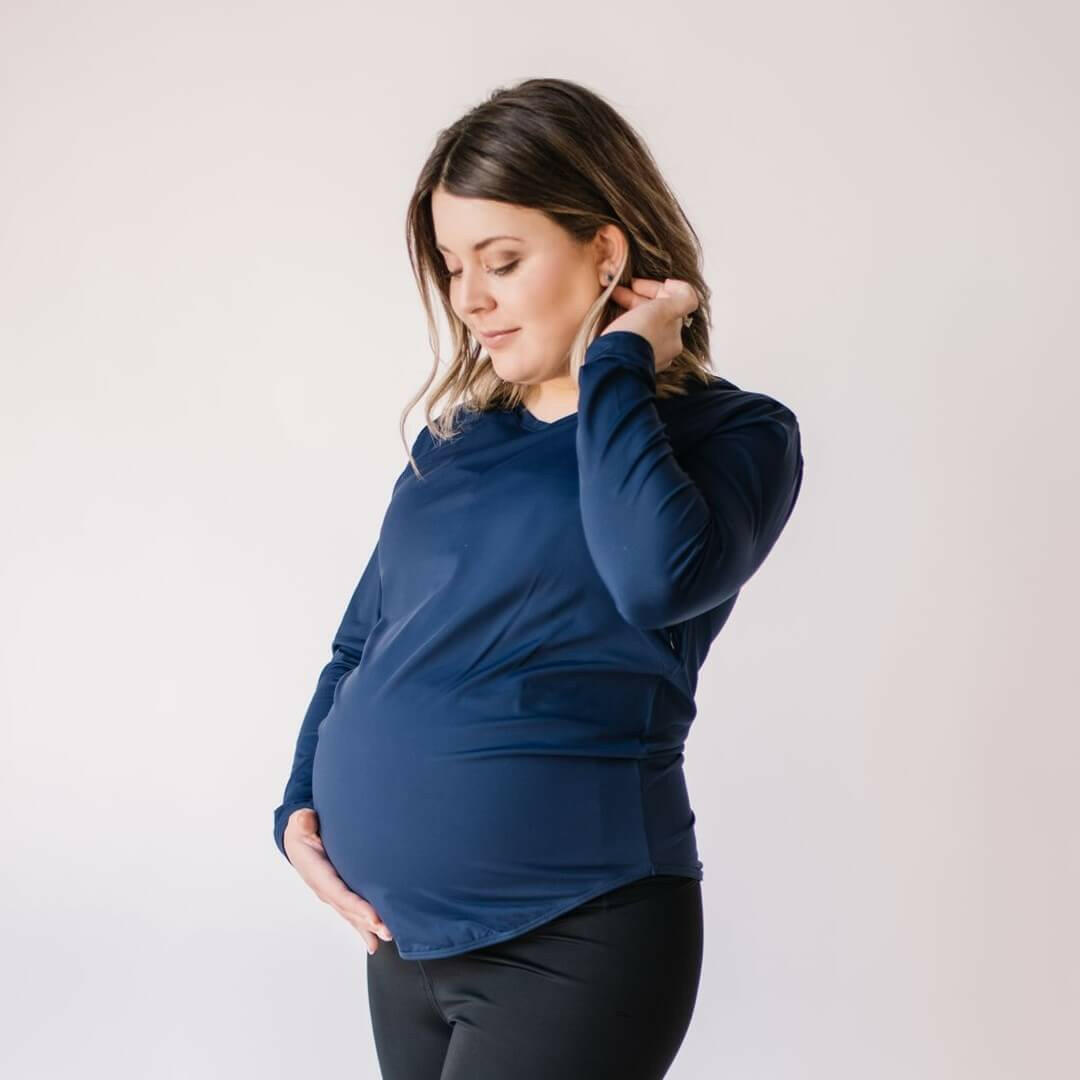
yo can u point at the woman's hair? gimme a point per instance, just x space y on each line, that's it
554 146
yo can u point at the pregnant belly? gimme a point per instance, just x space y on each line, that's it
402 816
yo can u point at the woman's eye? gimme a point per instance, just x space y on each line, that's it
500 270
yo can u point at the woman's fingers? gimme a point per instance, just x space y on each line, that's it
646 287
317 870
362 920
371 930
358 906
357 910
370 940
627 297
642 290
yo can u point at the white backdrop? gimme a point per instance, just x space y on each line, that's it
208 329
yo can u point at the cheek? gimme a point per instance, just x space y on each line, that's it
552 296
544 288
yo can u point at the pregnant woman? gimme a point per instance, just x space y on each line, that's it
488 783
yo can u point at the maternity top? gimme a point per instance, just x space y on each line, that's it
498 735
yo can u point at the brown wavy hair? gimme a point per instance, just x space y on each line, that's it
558 147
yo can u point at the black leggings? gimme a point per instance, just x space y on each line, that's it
606 989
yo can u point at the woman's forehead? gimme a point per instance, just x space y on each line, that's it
471 222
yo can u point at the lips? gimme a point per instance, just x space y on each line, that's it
497 337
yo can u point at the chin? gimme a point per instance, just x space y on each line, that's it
516 371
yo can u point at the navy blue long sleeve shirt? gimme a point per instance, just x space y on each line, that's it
499 733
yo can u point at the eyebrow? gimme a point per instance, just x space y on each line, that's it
483 243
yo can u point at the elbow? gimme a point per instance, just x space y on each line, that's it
655 606
659 603
642 600
644 612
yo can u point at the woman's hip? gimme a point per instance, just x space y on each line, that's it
612 983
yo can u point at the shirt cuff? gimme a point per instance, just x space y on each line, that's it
281 820
624 347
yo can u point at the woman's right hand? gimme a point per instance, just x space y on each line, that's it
305 850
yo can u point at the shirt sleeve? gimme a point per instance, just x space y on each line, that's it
347 647
670 545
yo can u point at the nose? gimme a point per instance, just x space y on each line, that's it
473 294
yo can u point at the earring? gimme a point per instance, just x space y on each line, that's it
607 279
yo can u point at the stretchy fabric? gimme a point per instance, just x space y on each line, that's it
603 992
498 736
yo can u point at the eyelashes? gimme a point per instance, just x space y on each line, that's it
500 271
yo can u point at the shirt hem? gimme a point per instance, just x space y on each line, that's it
493 938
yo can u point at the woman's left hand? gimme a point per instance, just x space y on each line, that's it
656 312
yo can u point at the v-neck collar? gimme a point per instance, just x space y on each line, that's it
534 423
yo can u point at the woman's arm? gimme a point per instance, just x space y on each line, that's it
670 546
360 616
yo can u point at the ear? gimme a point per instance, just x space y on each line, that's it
611 249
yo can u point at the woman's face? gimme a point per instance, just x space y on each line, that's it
535 279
